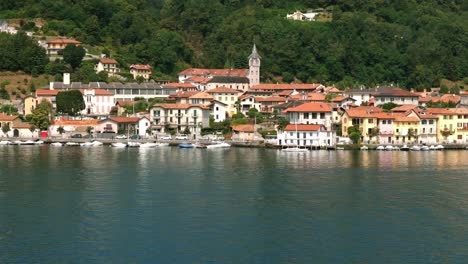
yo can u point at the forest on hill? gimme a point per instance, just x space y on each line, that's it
411 43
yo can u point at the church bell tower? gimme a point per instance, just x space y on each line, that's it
254 67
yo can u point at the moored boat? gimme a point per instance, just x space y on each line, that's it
389 148
131 144
5 142
148 145
380 148
364 148
71 144
294 149
185 145
425 148
439 147
219 145
56 144
415 148
118 145
405 148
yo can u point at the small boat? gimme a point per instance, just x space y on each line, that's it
133 144
16 142
439 147
185 145
97 143
425 148
396 148
160 144
415 148
148 145
56 144
71 144
86 144
389 148
294 149
219 145
119 145
199 145
432 147
39 142
364 148
405 148
5 142
380 148
339 148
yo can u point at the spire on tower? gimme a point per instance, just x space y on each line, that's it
254 54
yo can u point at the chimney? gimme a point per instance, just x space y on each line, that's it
66 78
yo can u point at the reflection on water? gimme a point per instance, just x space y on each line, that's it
169 205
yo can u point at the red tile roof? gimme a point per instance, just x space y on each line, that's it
316 97
5 117
369 108
302 127
386 115
450 98
90 122
243 128
63 41
22 126
215 72
311 107
202 95
360 113
197 79
342 98
285 86
107 61
222 89
270 99
180 106
395 92
406 119
125 119
44 92
404 108
440 111
180 85
101 92
183 94
145 67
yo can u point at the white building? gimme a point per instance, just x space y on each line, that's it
97 101
107 65
311 113
306 136
179 117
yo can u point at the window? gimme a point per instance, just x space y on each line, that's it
370 120
431 122
314 115
306 115
424 121
322 115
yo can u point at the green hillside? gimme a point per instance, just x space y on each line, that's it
411 43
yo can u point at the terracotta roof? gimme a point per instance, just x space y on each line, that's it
285 86
5 117
180 106
311 107
243 128
406 119
332 89
180 85
22 126
63 41
395 92
440 111
202 95
342 98
450 98
214 72
316 97
197 79
302 127
183 94
90 122
369 108
286 92
386 115
404 108
145 67
360 113
222 89
98 92
463 111
125 119
245 96
424 115
270 99
107 61
44 92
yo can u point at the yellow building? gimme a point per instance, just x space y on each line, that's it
30 104
461 132
365 119
226 96
406 130
446 124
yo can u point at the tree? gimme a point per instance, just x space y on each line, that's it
89 129
60 130
70 102
186 131
41 116
6 128
73 55
354 133
282 122
375 131
388 106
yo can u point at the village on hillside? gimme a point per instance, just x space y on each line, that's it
307 115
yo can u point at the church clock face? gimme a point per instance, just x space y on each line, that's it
255 62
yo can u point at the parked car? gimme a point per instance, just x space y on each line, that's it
182 137
135 137
121 137
76 136
165 137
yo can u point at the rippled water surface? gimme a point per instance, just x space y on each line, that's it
169 205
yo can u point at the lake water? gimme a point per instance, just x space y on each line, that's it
169 205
